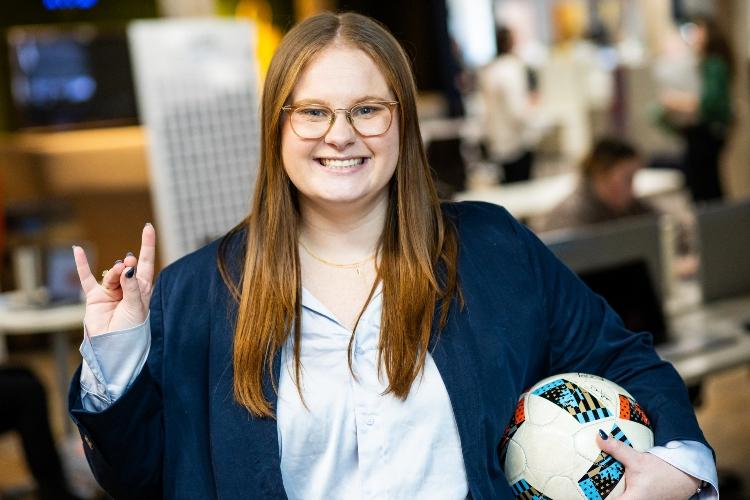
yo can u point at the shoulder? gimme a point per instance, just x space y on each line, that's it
469 216
487 231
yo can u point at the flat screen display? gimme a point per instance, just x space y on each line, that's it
68 77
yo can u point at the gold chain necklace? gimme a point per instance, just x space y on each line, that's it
354 265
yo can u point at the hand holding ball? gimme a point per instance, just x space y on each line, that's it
549 448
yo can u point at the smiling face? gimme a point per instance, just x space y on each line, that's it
342 168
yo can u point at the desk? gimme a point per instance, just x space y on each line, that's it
538 197
709 338
18 320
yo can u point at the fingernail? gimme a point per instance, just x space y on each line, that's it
130 272
603 435
129 254
118 261
148 224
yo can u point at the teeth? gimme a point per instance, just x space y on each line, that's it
341 163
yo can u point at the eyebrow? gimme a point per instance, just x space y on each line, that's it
355 101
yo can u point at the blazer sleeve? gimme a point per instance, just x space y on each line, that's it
586 335
124 443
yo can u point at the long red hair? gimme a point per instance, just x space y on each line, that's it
418 247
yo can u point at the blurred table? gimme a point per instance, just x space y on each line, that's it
17 318
538 197
709 338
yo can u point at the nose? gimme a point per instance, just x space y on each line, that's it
341 134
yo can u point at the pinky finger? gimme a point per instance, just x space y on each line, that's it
88 282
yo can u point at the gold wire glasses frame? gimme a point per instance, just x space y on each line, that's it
368 118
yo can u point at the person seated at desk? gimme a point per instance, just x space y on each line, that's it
605 191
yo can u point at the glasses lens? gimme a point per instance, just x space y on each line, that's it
311 121
371 118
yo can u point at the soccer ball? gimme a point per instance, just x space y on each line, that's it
549 449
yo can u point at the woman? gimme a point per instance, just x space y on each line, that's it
605 191
280 358
710 112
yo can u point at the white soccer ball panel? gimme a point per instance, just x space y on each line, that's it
639 435
515 460
584 440
562 488
539 411
549 448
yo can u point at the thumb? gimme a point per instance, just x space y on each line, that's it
620 451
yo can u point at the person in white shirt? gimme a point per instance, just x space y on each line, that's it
352 337
507 110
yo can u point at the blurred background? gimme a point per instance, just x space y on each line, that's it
618 130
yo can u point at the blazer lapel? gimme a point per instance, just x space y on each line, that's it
244 449
461 381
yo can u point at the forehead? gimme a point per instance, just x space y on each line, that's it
340 76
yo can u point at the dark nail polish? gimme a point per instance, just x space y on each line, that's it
130 272
129 254
603 435
118 261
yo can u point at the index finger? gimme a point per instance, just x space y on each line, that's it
147 254
88 281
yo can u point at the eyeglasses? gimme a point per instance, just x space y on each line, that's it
313 121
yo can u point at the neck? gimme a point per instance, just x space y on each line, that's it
343 234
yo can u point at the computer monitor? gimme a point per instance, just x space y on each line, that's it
61 275
724 243
602 245
621 261
70 76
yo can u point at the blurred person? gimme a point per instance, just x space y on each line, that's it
24 410
704 119
352 337
605 193
605 190
508 107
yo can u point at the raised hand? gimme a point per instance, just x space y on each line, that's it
121 300
648 476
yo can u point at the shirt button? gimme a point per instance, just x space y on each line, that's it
370 420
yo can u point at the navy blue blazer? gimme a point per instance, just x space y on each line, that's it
178 433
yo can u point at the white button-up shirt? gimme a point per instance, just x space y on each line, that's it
352 440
